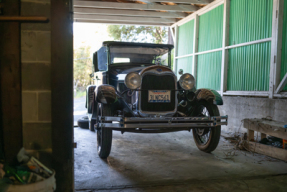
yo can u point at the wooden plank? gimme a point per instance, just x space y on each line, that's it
24 18
263 135
267 150
272 128
62 94
129 12
154 7
195 46
282 84
249 43
10 83
124 18
225 42
121 22
250 135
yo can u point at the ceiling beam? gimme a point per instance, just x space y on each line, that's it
121 22
181 1
154 7
129 12
125 18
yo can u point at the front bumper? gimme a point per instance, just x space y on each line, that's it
156 123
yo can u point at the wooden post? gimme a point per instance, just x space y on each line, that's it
62 93
175 49
195 46
276 46
10 83
225 43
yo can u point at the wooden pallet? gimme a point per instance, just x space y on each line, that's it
266 127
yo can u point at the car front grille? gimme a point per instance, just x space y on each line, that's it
157 82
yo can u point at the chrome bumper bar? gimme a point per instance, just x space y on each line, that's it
121 123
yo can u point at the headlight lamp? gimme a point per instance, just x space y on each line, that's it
133 80
187 81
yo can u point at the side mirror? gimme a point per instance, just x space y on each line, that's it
95 62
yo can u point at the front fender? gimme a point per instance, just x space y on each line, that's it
106 94
209 95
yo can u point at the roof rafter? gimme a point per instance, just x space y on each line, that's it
125 18
180 1
101 4
121 22
129 12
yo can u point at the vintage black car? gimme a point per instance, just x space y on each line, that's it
135 90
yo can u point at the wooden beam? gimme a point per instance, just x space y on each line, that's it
124 18
24 18
154 7
129 12
183 1
10 83
195 46
282 84
62 94
272 128
121 22
267 150
225 42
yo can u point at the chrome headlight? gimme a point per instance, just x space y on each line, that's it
133 80
187 81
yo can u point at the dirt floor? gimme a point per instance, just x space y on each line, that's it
171 162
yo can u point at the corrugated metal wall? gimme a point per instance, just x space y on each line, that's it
211 29
250 20
284 45
209 70
185 64
249 66
185 38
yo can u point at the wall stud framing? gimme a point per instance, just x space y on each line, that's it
225 43
195 46
175 48
276 46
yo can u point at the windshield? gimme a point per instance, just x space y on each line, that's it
133 54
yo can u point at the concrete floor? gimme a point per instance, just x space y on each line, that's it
171 162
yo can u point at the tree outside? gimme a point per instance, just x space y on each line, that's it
82 68
133 33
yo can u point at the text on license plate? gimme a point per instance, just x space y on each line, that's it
158 96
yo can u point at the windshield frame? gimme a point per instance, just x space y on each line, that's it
110 59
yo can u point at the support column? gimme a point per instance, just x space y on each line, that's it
276 46
175 50
195 46
225 42
10 83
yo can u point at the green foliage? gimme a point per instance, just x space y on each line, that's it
142 34
82 66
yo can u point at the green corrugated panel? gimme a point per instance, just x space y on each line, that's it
209 70
211 29
284 46
185 38
250 20
185 64
249 67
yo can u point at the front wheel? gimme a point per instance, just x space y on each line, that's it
206 139
104 135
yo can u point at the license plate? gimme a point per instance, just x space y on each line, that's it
158 96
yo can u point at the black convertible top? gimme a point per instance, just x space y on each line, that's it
118 43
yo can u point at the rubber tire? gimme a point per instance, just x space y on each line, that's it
215 132
104 148
83 122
